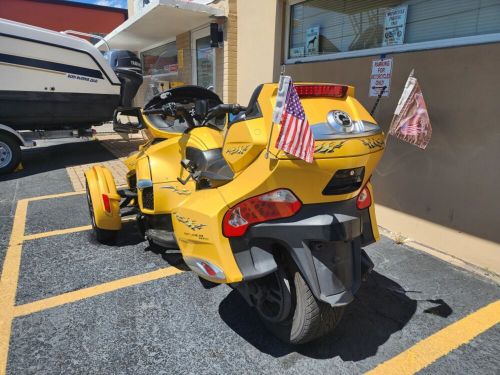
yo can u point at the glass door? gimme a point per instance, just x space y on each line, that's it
203 59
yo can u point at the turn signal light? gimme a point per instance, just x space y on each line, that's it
106 203
276 204
364 199
334 91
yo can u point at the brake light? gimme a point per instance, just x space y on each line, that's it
276 204
106 202
364 199
335 91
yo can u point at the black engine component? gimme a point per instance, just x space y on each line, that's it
128 69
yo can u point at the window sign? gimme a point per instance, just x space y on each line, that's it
160 60
297 52
380 77
394 27
312 40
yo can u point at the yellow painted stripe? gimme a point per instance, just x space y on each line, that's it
59 232
9 280
52 196
93 291
441 343
56 232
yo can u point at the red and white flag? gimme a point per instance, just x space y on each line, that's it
411 121
295 136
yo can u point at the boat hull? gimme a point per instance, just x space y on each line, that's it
52 110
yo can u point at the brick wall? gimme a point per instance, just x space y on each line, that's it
183 44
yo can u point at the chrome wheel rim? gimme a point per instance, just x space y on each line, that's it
5 155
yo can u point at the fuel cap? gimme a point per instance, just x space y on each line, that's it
339 118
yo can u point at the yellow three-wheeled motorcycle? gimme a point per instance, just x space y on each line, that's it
286 234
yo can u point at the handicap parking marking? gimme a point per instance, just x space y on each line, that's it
441 343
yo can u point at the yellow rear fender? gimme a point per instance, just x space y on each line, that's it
105 198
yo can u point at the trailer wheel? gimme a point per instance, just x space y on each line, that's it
10 153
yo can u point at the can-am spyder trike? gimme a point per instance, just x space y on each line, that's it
287 234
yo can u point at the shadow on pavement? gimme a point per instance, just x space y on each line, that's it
380 309
49 158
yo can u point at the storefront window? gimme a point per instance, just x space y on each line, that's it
320 27
204 62
160 61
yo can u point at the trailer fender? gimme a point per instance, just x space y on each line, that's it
102 188
15 135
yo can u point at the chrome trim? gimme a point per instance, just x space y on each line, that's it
324 131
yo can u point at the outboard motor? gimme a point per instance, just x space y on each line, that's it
127 68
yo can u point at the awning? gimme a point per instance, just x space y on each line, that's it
160 20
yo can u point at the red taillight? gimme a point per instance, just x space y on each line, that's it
273 205
335 91
106 202
364 199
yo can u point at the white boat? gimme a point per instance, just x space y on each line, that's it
50 80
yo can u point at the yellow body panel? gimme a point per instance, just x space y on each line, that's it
100 181
244 142
199 232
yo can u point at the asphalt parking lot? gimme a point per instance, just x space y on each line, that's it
70 305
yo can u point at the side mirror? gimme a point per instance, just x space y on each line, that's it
201 108
127 120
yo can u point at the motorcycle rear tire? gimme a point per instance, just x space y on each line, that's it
311 318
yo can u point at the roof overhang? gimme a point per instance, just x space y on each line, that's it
159 21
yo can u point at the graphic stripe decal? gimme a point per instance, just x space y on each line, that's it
49 65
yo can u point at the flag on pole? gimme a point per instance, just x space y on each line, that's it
411 121
295 136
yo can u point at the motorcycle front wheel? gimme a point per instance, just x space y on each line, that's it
290 311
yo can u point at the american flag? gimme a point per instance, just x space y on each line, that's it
411 121
295 137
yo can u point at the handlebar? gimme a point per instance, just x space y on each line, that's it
185 110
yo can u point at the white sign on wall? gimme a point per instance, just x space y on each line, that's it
380 77
395 25
312 40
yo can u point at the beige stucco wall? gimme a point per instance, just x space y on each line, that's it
259 44
445 197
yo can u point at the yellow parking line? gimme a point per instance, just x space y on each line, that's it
93 291
9 280
52 196
58 232
441 343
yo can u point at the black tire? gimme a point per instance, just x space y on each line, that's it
10 153
104 236
311 318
